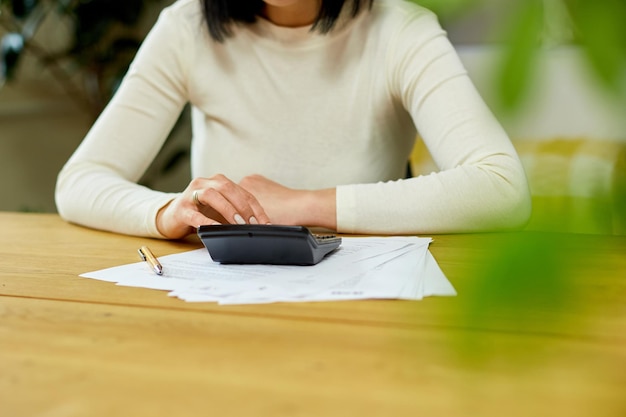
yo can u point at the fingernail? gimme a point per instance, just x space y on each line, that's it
253 220
239 219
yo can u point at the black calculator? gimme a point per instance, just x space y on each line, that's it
266 244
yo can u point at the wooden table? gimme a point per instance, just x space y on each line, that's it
514 342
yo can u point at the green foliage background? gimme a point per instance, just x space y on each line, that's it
528 26
533 271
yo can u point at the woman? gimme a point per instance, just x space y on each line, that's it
304 112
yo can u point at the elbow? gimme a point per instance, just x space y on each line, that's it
507 206
516 208
63 195
512 193
60 199
519 209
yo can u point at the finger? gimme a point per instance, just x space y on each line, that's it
197 218
205 209
250 208
238 206
222 205
258 215
195 196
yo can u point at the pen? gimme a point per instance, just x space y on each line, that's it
146 255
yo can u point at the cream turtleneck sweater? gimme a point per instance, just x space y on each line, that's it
309 111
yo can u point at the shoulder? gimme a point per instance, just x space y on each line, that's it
405 31
394 16
184 8
184 14
400 8
173 41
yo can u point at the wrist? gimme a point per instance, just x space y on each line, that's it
318 208
159 220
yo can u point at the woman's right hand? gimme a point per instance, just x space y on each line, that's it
208 201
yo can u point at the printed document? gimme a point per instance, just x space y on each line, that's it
362 268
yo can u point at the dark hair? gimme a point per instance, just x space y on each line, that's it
221 14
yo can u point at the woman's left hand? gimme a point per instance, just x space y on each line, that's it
289 206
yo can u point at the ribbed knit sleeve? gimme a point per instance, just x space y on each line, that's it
97 186
481 184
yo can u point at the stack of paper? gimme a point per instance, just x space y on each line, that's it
369 267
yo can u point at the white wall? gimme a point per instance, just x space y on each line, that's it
565 98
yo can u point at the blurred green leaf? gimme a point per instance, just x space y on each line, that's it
527 272
601 28
520 55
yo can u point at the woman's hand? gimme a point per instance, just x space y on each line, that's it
208 201
293 207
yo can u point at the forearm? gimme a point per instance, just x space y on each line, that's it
96 198
463 199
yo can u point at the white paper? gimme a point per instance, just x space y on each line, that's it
362 268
